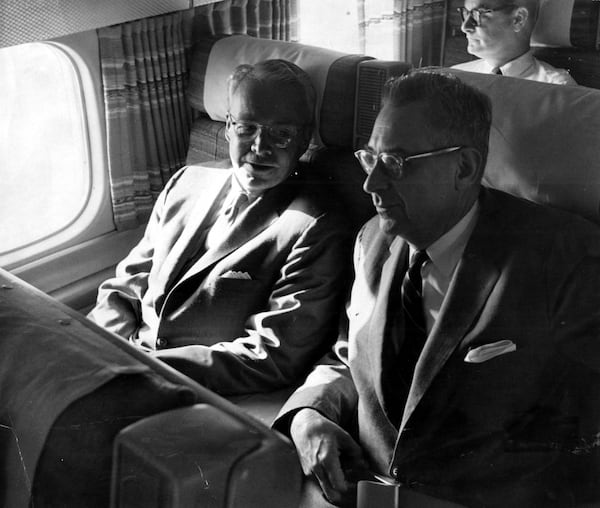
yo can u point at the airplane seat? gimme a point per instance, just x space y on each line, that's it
544 141
213 60
567 36
82 412
331 165
329 162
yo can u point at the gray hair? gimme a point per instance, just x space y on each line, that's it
459 113
280 72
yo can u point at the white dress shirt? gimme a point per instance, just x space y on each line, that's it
525 66
444 255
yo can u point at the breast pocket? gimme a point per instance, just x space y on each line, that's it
236 299
216 312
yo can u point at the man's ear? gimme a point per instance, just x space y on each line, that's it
520 17
469 167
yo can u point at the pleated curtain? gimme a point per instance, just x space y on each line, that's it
144 72
144 67
266 19
413 29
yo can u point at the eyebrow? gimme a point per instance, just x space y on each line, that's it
393 150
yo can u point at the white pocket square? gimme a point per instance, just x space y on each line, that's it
236 275
489 351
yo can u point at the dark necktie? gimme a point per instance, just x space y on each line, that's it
415 328
412 295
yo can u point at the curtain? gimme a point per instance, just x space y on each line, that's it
147 118
266 19
407 30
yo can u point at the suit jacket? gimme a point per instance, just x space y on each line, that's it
512 429
251 314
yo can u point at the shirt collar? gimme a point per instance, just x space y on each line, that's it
447 250
518 66
236 188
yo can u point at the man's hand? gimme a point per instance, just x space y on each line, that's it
327 452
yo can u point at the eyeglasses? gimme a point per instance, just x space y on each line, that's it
281 134
477 13
394 162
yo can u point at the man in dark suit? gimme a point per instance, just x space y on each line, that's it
471 368
237 280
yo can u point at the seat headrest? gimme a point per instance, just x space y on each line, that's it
567 23
544 142
333 74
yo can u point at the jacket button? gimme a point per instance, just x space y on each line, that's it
161 342
395 472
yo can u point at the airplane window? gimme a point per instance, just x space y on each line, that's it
350 27
45 162
43 155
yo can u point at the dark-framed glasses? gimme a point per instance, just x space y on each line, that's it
280 134
394 162
479 13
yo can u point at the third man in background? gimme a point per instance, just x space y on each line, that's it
499 33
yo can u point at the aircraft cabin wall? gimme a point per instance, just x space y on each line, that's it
71 258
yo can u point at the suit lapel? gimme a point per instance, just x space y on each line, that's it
381 348
211 183
255 219
474 279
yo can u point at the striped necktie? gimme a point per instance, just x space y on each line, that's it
412 296
415 327
399 373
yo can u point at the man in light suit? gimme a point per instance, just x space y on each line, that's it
473 374
238 278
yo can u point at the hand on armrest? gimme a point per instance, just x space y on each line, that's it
329 453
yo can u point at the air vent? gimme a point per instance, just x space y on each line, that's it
372 75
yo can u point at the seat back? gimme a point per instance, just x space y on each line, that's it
67 388
214 59
335 75
544 142
201 456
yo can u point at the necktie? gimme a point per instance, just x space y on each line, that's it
496 70
415 330
237 205
412 295
220 229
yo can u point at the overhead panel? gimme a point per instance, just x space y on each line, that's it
38 20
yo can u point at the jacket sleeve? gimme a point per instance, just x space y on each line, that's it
329 388
575 320
119 298
295 328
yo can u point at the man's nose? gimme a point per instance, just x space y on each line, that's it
260 144
376 180
468 25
